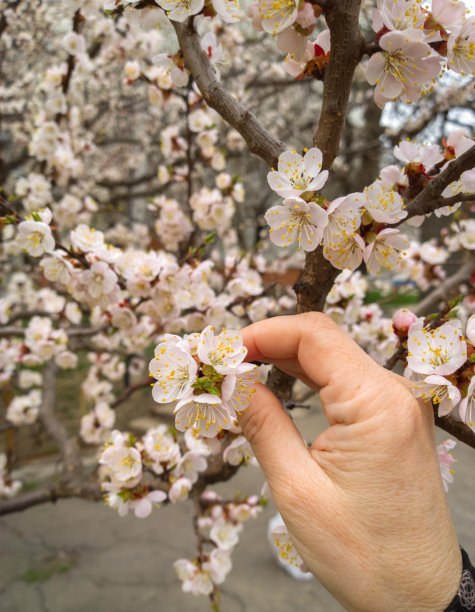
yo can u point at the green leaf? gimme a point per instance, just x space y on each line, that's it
209 238
472 358
455 302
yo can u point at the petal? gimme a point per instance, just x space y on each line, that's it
143 508
374 68
312 161
277 181
285 236
390 87
310 237
318 216
318 182
277 215
290 161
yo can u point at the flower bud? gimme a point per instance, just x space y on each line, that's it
402 321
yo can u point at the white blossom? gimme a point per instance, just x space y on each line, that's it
295 174
297 220
439 351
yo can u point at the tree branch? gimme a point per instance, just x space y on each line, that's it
128 392
455 428
443 290
429 198
347 48
258 139
87 490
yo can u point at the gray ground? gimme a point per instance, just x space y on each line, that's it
79 556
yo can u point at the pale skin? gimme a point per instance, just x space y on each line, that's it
365 504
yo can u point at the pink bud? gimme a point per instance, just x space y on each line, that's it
402 320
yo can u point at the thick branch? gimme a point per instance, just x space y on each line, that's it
347 48
258 139
429 198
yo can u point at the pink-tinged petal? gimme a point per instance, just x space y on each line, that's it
323 41
276 181
379 99
335 204
435 379
390 87
310 237
312 161
398 242
157 497
289 162
416 221
143 508
317 183
470 330
374 68
227 386
392 40
371 263
285 236
466 415
276 216
290 41
318 215
205 344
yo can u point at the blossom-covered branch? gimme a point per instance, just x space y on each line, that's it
347 47
258 139
429 199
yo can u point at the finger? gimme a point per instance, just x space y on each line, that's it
275 441
309 345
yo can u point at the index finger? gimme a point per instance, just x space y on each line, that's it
310 346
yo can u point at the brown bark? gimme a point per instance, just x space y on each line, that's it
430 197
258 139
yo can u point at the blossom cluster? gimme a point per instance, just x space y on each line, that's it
139 475
416 44
205 376
354 228
311 220
439 364
130 467
220 524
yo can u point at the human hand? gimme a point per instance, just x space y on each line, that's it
364 505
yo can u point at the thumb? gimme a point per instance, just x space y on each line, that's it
276 442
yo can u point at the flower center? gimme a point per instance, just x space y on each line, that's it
395 64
